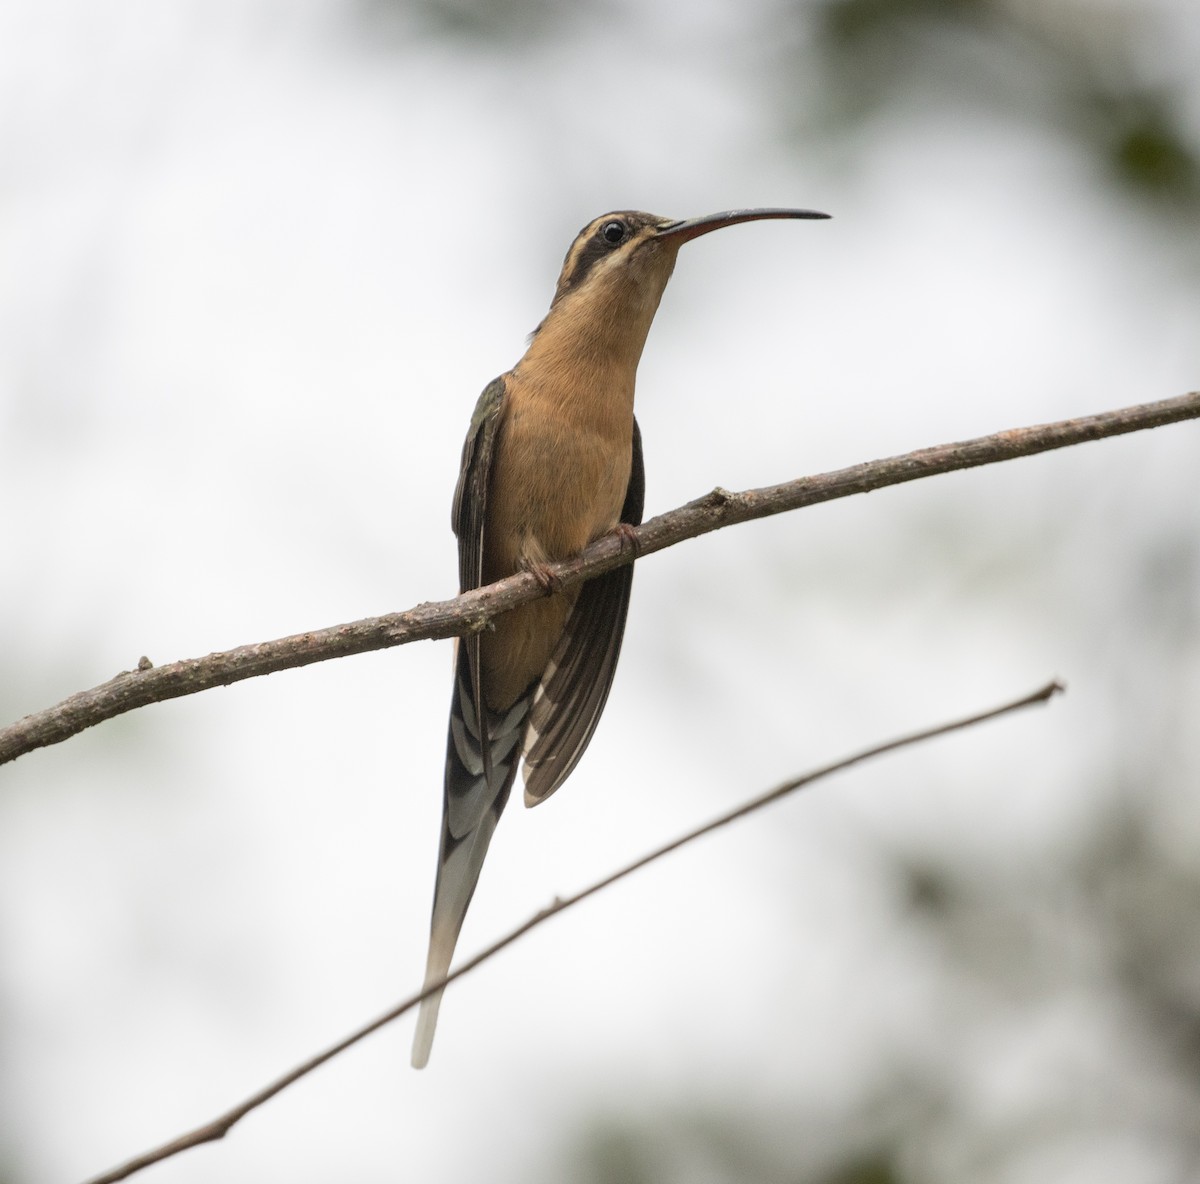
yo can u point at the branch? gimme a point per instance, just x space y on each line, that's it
219 1127
471 612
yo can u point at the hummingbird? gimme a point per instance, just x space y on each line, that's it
552 461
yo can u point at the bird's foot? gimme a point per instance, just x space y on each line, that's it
627 537
545 577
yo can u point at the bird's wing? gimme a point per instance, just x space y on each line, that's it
467 516
570 697
483 747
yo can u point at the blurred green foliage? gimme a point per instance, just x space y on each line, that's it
699 1145
1078 66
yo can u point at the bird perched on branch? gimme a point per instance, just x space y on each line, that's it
552 461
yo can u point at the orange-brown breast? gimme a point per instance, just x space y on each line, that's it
559 480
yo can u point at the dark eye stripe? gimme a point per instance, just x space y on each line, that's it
591 253
589 249
591 245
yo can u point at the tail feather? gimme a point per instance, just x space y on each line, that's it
458 873
472 807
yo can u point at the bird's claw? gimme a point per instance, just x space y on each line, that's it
627 536
549 582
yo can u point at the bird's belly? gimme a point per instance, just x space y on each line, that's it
555 488
519 647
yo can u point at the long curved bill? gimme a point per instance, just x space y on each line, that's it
691 228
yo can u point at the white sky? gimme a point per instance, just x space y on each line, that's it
255 271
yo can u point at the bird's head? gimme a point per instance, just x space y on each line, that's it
629 254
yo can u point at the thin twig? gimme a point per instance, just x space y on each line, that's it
219 1127
470 612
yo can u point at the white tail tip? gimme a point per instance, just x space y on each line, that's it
426 1025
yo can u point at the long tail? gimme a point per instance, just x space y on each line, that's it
471 808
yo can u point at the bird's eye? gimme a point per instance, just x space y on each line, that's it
612 232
